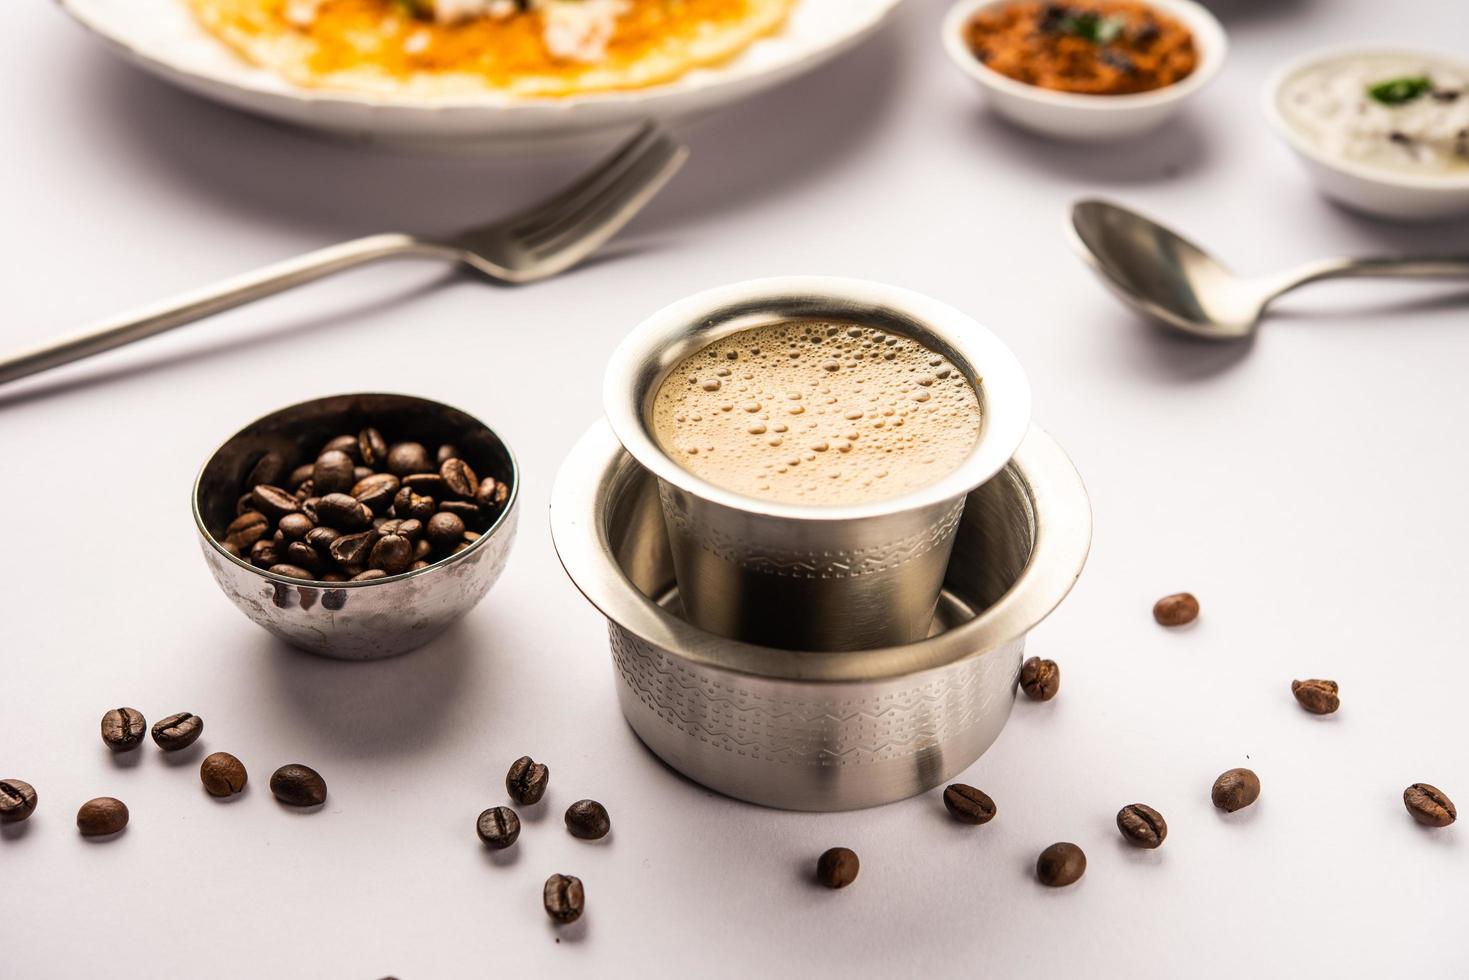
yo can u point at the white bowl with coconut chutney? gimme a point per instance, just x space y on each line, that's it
1382 130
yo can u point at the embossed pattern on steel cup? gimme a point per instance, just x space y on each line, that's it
804 576
822 731
356 620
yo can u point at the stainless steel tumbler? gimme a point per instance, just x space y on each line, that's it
802 576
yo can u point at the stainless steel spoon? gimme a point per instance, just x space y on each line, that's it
1169 279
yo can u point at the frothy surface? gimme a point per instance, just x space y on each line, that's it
817 412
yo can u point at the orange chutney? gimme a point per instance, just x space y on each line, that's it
1091 47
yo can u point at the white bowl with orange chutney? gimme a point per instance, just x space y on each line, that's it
1090 70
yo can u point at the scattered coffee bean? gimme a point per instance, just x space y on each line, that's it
1178 609
1429 806
564 898
1060 864
1235 790
498 827
969 805
588 820
338 517
222 774
837 867
298 785
17 800
1316 696
1040 679
178 731
1142 825
407 458
526 781
123 729
102 816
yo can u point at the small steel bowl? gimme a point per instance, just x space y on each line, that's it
822 730
355 620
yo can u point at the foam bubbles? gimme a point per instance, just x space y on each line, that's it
896 422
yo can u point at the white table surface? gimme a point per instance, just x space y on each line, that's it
1310 489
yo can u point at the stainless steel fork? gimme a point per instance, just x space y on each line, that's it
534 244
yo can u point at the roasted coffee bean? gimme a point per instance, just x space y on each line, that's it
1235 790
360 473
247 529
305 491
564 898
296 526
421 549
405 458
1142 825
498 827
1429 805
1060 864
246 501
407 503
419 563
1316 696
1178 609
465 510
446 452
430 484
102 816
352 551
264 553
372 448
411 528
332 473
344 444
300 475
302 555
123 729
458 477
588 820
308 507
222 774
393 553
376 491
332 577
837 867
178 731
445 530
1040 679
491 493
17 800
291 571
369 575
269 469
230 549
969 805
274 502
527 780
298 785
321 538
343 512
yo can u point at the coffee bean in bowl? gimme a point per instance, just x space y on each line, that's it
323 556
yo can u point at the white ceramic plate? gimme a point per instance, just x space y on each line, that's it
163 37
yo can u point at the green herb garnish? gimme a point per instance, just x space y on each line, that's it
1091 26
1400 91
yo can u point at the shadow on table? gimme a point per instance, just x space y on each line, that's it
380 708
1176 148
336 189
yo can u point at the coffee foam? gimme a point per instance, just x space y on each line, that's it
817 412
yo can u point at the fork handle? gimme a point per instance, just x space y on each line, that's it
224 295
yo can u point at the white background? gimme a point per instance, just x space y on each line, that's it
1309 488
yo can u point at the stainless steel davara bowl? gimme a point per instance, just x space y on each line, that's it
355 620
829 730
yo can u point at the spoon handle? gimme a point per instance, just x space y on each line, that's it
1407 267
